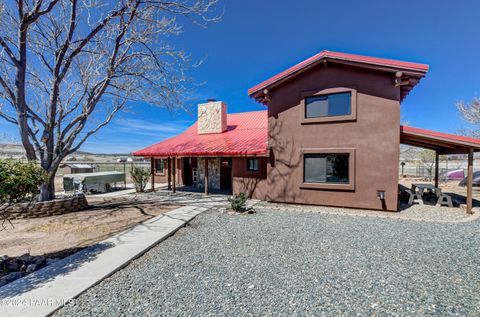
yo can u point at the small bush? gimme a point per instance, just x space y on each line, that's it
19 183
140 177
239 203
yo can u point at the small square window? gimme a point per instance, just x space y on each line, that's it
330 105
159 166
252 165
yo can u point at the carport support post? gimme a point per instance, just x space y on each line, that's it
436 169
174 172
206 176
169 173
470 181
152 173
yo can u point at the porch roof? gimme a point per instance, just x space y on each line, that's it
246 135
443 143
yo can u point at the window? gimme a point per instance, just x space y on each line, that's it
331 105
159 166
326 168
252 165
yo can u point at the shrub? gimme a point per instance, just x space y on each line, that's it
19 182
140 177
239 203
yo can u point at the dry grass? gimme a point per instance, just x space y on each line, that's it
105 217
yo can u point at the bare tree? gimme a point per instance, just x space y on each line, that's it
427 160
68 66
470 112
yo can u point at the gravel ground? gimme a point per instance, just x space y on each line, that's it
413 212
284 263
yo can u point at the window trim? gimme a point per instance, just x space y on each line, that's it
330 91
332 186
258 165
164 167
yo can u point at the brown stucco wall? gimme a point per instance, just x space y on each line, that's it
374 136
254 184
163 178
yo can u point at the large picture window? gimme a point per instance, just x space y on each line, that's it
330 105
326 168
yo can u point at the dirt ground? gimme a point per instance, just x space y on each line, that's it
104 218
447 187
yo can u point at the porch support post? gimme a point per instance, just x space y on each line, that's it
152 172
436 168
206 176
169 173
470 181
174 172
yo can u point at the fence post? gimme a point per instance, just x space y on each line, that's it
124 175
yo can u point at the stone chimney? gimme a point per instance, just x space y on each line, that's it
212 117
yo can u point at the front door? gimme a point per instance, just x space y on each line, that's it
226 173
189 163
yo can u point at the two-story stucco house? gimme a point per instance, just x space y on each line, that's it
330 136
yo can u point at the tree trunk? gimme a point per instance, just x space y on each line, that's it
20 94
47 190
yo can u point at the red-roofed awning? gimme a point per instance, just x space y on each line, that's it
413 71
246 135
444 143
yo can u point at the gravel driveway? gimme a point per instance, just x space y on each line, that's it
284 263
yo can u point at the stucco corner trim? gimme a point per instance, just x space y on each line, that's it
329 186
353 106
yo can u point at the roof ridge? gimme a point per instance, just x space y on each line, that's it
387 63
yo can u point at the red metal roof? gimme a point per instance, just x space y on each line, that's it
247 134
400 65
437 140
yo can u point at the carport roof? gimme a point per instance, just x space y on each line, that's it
444 143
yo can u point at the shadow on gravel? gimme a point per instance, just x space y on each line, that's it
52 271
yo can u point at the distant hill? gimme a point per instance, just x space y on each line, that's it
16 151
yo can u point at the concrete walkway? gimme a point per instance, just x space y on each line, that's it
44 291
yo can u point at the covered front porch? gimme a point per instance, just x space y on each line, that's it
444 144
193 174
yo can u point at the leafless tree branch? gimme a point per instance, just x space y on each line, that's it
66 64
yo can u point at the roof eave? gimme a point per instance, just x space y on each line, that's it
425 136
257 91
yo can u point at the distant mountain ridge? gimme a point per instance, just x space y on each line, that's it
15 150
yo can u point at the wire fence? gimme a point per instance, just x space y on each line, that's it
426 173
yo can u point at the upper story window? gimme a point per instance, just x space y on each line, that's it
252 165
159 166
338 104
328 105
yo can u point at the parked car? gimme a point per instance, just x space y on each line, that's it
476 180
458 174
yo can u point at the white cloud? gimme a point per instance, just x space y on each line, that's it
144 127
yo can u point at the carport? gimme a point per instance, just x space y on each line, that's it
443 144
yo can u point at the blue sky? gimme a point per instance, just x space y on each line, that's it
257 39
